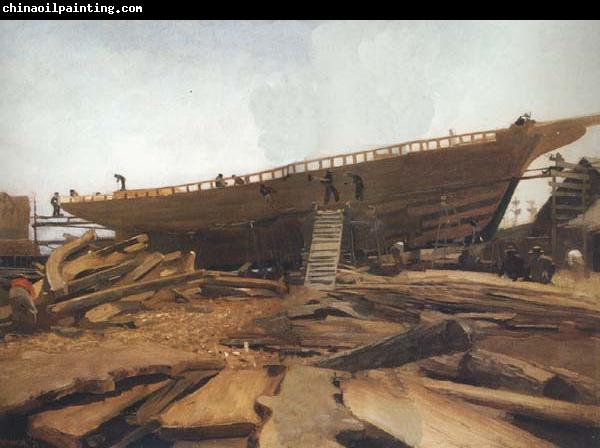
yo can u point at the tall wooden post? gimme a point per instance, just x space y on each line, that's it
35 238
553 230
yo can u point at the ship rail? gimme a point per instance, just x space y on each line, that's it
327 162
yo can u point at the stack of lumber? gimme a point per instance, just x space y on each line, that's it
99 286
435 359
67 398
422 359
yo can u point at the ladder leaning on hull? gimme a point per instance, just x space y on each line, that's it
324 254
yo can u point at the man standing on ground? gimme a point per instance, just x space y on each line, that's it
576 263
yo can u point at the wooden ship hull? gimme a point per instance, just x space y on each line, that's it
418 192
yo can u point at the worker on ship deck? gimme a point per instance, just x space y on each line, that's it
54 201
523 119
267 193
220 182
73 193
237 180
330 189
120 178
359 185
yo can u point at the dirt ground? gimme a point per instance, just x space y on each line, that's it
174 325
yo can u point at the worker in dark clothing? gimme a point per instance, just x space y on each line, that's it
267 193
121 179
557 159
237 180
55 205
523 119
359 186
219 181
541 267
73 193
330 189
513 265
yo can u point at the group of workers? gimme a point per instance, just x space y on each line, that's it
327 181
539 267
55 199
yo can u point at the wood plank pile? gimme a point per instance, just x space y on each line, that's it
99 287
436 359
423 359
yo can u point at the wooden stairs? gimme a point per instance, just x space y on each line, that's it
324 255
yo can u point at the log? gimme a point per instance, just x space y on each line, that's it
496 370
398 405
188 262
142 238
91 262
446 367
163 398
323 308
42 377
245 282
147 414
340 332
88 301
137 247
141 297
172 256
54 265
426 340
103 313
149 263
540 408
571 386
66 427
486 293
223 408
101 279
305 413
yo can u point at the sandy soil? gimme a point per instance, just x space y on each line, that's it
173 325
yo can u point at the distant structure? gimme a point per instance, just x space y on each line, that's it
14 227
532 209
515 210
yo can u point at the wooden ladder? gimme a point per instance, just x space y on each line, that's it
324 255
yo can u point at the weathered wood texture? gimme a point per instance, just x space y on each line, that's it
244 282
104 312
54 265
92 262
42 377
483 293
85 302
421 342
224 407
305 413
163 398
214 443
102 278
339 332
149 263
416 417
65 427
515 403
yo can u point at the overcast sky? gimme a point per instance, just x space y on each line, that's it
173 102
